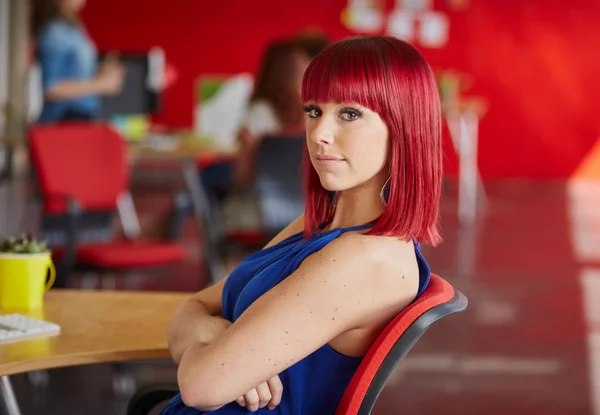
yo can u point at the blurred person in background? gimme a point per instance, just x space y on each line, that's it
218 178
275 108
275 104
312 41
72 81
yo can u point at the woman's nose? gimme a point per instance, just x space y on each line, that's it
323 132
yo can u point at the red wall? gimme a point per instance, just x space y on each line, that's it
537 63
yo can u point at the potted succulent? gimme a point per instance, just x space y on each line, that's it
24 244
26 272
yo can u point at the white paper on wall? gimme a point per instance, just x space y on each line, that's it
414 5
433 29
401 24
364 16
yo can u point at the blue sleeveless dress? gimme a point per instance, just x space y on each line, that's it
314 385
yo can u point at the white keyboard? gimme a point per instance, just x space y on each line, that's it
15 327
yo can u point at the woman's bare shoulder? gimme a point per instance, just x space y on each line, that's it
389 258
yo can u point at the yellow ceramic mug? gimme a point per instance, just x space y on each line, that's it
23 280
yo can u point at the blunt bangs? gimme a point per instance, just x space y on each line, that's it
347 72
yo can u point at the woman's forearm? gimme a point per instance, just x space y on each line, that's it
67 90
193 324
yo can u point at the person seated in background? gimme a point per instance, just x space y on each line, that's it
275 104
287 330
274 108
72 81
311 41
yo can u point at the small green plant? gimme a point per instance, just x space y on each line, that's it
24 244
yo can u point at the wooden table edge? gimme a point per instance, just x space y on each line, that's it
82 359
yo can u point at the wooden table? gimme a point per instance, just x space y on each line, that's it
199 150
96 327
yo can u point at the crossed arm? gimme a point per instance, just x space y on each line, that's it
199 320
349 284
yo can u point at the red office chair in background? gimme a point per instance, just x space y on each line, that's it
82 177
439 300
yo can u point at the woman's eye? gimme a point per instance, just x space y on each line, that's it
313 112
350 115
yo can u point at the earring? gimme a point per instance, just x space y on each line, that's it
385 192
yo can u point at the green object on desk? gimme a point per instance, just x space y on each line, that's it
132 127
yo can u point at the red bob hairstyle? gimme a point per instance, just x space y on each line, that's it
393 79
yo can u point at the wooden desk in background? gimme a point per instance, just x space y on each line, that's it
96 327
202 151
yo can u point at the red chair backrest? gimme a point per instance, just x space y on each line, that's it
439 300
84 161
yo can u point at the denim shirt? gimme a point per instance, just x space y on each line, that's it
65 52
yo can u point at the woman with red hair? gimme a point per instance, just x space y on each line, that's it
286 331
